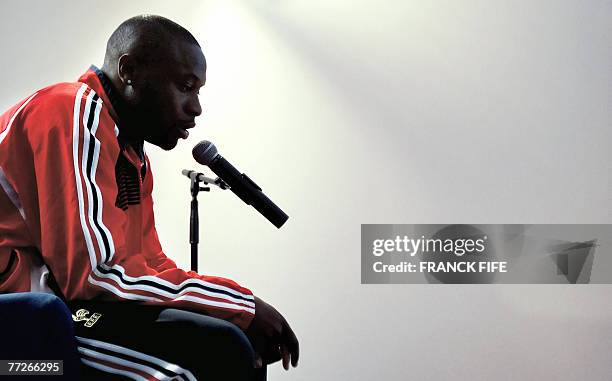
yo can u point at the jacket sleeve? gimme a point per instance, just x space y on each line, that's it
84 237
153 252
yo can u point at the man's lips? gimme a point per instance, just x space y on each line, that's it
183 127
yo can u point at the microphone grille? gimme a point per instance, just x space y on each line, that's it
204 152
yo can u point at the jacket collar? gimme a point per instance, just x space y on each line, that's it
101 84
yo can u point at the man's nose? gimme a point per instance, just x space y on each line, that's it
193 107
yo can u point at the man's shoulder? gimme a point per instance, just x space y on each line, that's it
59 96
56 105
51 113
49 97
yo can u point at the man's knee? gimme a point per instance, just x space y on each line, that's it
228 338
36 310
223 344
37 325
236 342
234 351
206 328
54 311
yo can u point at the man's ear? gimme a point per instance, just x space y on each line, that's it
128 79
126 70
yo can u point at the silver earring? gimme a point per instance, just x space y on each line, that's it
129 82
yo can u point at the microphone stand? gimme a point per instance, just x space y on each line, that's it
194 221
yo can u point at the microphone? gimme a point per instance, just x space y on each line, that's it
206 153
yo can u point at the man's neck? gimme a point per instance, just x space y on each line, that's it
119 111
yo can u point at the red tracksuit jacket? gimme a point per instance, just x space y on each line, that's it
76 206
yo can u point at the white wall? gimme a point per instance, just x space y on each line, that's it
351 112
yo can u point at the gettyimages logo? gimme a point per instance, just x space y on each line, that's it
459 246
483 253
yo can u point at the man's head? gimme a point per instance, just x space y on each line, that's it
157 68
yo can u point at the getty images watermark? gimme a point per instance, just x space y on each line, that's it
486 253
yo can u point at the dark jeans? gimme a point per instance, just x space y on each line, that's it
36 326
129 339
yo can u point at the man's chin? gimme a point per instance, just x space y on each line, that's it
169 145
165 145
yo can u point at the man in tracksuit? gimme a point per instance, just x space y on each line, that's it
76 219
